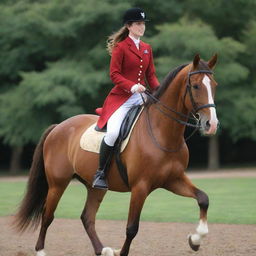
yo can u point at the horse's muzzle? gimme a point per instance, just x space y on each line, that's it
208 127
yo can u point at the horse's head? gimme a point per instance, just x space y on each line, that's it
200 94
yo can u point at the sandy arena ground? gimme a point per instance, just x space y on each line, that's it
67 237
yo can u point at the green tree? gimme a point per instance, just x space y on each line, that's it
53 63
244 122
228 18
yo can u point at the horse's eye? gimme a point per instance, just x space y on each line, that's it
196 86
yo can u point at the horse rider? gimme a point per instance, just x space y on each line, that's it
131 67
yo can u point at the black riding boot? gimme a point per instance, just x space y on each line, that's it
106 153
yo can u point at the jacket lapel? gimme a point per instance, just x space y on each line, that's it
133 47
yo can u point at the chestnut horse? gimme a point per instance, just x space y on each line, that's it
155 157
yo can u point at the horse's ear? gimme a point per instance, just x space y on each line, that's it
212 62
196 60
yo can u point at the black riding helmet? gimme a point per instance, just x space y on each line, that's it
134 14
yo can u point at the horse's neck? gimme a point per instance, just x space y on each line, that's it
168 131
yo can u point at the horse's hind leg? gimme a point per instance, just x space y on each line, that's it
183 186
94 199
55 192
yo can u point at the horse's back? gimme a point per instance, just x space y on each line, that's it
69 129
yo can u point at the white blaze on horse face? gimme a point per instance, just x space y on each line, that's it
213 118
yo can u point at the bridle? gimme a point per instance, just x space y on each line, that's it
196 108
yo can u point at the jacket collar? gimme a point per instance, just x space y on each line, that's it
136 41
133 47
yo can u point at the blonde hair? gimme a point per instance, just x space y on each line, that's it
116 37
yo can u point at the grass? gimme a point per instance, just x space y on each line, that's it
232 200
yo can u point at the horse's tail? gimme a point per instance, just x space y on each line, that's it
32 205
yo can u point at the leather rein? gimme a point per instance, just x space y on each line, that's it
196 108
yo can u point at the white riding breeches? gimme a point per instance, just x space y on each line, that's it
116 119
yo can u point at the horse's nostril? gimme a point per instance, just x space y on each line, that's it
208 125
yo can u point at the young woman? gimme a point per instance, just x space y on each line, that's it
131 67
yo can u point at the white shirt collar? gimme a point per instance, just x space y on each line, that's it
136 41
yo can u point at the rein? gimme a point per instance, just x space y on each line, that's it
150 130
174 111
196 108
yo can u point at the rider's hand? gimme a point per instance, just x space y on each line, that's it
138 88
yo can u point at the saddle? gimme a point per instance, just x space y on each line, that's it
92 137
124 132
126 124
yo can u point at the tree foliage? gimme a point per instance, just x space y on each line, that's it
53 62
228 18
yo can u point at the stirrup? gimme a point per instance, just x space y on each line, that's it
99 180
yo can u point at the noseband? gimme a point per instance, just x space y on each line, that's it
196 108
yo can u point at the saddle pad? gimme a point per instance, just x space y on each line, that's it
91 139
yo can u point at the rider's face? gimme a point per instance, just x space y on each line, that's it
137 29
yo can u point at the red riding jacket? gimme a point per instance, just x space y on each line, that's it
128 66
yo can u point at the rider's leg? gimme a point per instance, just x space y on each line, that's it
107 145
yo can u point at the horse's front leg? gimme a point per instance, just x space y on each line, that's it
183 186
202 229
138 196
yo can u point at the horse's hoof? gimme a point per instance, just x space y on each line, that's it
194 247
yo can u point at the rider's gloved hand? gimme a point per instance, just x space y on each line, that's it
138 88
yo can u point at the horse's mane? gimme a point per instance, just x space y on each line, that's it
167 80
202 65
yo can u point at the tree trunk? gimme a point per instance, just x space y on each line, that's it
213 153
15 165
